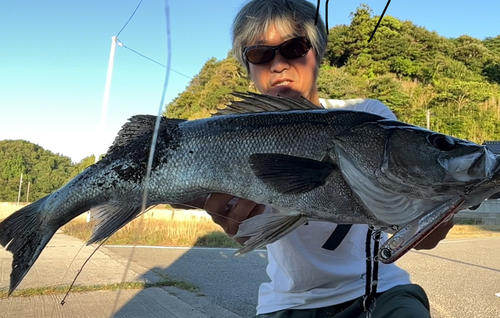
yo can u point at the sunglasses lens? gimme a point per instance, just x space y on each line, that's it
291 49
260 55
295 48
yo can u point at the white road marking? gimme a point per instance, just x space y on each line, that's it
180 248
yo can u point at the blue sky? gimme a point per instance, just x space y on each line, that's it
54 58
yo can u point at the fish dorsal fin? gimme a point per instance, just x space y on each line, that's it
288 174
258 103
138 126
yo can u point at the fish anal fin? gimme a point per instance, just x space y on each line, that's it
267 228
289 174
110 218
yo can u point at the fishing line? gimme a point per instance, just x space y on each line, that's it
64 276
153 144
63 301
327 254
379 20
326 15
326 18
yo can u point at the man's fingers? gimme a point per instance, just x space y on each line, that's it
225 210
216 203
237 214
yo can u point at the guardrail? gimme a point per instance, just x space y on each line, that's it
487 213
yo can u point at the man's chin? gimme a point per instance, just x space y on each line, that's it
286 91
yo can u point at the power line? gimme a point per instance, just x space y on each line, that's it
131 16
140 54
150 59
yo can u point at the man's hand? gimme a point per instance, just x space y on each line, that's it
226 210
436 236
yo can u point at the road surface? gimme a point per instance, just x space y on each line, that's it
461 277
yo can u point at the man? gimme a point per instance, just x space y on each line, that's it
282 47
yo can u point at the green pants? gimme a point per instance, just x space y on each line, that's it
404 301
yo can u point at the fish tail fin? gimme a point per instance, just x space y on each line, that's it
25 235
267 228
110 218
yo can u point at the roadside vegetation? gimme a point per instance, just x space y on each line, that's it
205 233
466 230
159 232
164 280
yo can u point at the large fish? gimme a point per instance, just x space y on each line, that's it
308 163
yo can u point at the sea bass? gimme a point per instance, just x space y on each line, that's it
308 163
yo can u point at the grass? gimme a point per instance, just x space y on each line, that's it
205 233
165 232
467 231
165 280
159 232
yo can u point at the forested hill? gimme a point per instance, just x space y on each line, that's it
409 68
43 170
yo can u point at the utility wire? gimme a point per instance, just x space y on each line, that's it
150 59
123 27
142 55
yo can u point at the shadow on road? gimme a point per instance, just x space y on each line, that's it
457 261
229 281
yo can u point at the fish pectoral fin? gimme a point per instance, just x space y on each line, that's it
266 229
289 174
110 218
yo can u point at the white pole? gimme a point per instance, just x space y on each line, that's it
105 100
28 192
428 119
19 194
107 88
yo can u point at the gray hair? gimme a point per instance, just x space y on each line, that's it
288 16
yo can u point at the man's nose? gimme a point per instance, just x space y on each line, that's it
279 63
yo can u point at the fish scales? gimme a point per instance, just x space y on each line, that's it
307 163
226 143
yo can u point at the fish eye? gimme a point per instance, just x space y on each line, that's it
441 142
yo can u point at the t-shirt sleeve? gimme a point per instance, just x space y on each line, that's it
367 105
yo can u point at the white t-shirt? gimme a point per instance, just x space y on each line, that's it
305 275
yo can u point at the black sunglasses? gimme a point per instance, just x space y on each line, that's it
291 49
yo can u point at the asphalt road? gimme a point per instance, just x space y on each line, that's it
461 277
232 282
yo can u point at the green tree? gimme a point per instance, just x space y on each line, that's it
210 89
42 169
